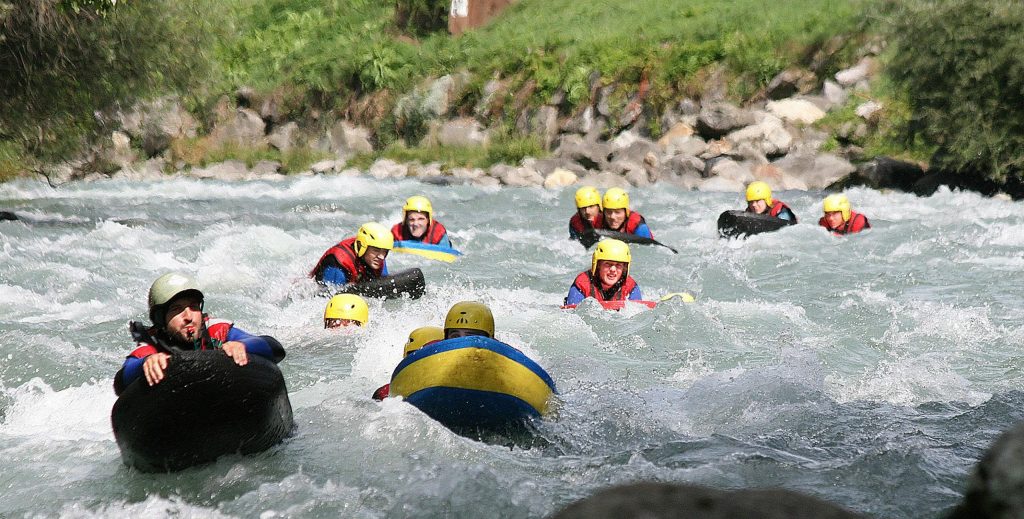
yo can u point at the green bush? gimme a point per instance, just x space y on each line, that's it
64 59
962 66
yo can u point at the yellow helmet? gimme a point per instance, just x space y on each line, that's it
422 335
587 196
837 203
470 315
611 250
759 191
419 204
616 198
348 306
373 234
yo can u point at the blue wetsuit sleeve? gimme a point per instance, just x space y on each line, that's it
574 297
572 233
334 275
257 344
636 295
132 369
445 241
787 215
384 269
643 231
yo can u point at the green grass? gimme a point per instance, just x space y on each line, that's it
13 161
506 150
341 48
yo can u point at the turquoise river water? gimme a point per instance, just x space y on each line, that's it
871 371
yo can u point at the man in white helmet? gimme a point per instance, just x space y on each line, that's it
179 324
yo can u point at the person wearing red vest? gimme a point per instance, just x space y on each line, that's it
418 224
418 338
588 212
179 324
759 200
608 278
359 258
839 218
618 217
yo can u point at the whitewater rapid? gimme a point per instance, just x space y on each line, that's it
870 370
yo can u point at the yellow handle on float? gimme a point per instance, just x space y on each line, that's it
685 297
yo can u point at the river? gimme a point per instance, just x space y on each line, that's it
871 370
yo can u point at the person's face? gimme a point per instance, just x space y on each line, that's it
453 333
757 206
417 223
834 219
589 212
614 218
374 257
185 318
340 323
610 272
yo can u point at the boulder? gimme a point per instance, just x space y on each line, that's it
885 173
119 152
152 169
266 169
542 122
678 131
718 119
284 137
387 168
559 178
347 140
157 122
834 93
995 489
795 110
516 176
590 155
462 132
868 110
581 123
244 128
818 171
323 167
547 166
789 82
604 179
684 501
857 73
723 185
8 216
768 137
227 170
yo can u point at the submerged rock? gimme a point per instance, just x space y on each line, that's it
674 501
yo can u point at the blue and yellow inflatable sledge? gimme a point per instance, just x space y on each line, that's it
427 250
473 382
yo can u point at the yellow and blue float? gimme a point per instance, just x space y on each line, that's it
473 382
427 250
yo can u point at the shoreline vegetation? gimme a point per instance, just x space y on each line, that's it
95 97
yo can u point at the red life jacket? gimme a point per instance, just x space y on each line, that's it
586 285
344 253
577 225
778 206
214 335
856 223
435 233
632 222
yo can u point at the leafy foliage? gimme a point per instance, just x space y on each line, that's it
421 17
60 60
962 66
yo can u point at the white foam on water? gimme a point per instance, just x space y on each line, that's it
40 414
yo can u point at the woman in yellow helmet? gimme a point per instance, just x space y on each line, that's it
346 310
418 224
588 212
356 259
759 200
619 218
608 278
839 218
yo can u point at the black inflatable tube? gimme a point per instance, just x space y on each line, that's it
408 282
206 406
735 223
592 236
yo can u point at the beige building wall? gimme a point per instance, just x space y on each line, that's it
470 14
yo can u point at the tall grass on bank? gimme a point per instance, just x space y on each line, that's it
341 48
